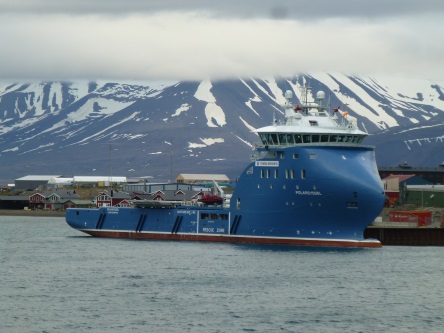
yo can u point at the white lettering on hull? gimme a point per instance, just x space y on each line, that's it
308 193
274 164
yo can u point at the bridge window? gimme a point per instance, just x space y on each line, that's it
290 139
307 138
263 138
274 139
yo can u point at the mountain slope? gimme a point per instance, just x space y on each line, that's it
162 129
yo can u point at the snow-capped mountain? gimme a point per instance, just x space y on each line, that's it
161 129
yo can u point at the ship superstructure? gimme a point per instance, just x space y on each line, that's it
311 182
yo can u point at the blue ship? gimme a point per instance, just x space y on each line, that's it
311 181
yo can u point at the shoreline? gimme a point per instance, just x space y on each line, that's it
22 212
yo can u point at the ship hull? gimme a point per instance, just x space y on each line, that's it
368 243
313 195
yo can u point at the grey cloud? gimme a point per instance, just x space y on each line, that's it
283 9
201 39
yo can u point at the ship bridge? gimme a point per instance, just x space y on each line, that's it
310 123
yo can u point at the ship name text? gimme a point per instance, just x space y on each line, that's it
112 210
186 212
212 230
274 164
308 193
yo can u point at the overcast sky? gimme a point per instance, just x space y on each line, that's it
198 39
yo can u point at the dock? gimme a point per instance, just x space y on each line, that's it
408 228
407 236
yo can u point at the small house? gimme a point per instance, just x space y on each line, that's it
56 200
37 201
105 199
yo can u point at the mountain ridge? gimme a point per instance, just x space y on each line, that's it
161 129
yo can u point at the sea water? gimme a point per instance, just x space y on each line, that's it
56 279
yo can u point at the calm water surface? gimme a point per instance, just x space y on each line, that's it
54 279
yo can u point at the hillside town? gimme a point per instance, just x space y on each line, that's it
417 192
57 193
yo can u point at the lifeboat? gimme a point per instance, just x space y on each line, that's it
211 199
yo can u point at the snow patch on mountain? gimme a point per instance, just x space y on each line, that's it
203 92
129 136
101 106
55 96
421 141
206 142
35 92
22 124
419 128
278 94
78 89
213 112
247 125
131 91
211 141
11 149
85 140
183 108
38 148
244 141
266 92
374 112
255 98
196 145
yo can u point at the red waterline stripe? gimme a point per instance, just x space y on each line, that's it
234 239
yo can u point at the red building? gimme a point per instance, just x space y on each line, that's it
395 187
114 198
37 201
